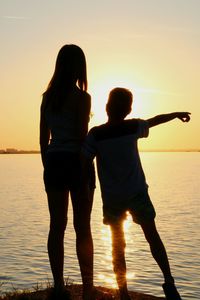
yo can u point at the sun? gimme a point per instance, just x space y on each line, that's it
100 90
102 85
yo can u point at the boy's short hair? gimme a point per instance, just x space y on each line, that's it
119 102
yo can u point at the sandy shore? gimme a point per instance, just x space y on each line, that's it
75 291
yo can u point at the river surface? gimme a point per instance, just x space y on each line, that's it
174 187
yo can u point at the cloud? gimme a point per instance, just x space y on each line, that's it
156 91
15 17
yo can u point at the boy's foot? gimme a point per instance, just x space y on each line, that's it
59 294
125 296
171 292
123 293
98 295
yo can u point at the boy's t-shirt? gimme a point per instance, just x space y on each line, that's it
118 163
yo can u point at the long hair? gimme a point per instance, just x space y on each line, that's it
70 69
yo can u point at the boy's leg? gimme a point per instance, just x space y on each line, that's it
157 249
160 255
118 255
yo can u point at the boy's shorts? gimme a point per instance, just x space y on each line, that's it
140 207
63 171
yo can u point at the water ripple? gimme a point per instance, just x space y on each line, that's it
24 227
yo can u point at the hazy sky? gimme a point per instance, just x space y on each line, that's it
151 47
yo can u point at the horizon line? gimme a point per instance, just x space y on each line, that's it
21 151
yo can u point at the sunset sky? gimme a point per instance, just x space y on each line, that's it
151 47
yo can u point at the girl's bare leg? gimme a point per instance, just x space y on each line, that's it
82 206
58 206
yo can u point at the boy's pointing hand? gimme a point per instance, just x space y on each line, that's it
184 116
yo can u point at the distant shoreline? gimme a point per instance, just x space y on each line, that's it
20 152
142 150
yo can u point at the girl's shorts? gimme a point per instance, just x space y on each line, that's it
63 171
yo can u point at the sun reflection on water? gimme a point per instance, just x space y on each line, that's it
109 279
106 234
130 275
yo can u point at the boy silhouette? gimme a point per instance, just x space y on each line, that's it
123 184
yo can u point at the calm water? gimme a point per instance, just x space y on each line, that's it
174 181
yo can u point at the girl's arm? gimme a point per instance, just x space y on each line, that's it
44 133
84 115
183 116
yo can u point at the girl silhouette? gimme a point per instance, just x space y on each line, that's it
65 112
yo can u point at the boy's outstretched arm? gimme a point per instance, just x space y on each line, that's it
183 116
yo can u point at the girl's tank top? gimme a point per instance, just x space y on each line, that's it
65 126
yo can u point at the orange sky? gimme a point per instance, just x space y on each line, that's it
150 47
